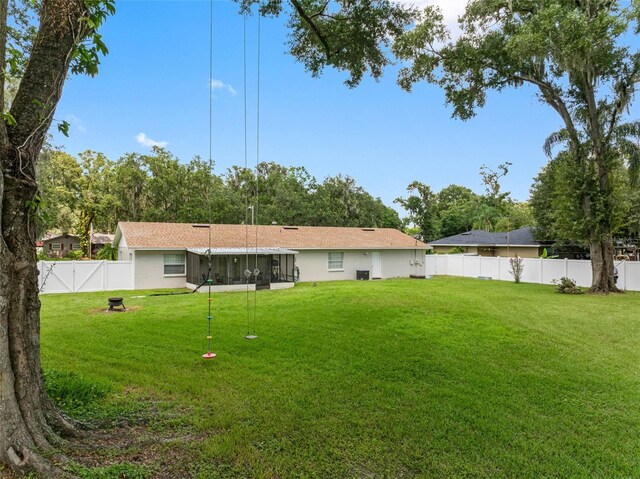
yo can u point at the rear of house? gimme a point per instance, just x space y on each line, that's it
173 255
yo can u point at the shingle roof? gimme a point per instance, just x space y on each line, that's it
101 238
186 235
519 237
51 236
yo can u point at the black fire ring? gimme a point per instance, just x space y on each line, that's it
116 304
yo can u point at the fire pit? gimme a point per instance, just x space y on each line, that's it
116 304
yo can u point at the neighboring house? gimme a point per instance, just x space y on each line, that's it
174 255
518 242
57 245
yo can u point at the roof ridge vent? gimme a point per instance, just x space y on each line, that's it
289 227
368 229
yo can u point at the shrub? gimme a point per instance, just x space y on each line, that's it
75 254
456 250
108 252
567 286
516 269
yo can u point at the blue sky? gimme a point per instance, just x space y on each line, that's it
154 87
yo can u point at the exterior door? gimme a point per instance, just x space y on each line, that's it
376 266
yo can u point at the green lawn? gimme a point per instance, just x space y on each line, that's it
399 378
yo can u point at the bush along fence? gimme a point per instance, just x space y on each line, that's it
84 276
535 270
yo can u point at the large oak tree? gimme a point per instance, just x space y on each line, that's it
573 52
349 35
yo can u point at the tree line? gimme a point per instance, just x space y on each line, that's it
94 190
456 209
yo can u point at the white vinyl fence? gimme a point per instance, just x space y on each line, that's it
536 270
84 276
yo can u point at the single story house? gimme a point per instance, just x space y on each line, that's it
176 255
58 245
518 242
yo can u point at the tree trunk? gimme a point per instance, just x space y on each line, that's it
602 266
27 416
29 422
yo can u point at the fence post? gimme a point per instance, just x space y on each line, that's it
73 276
566 267
541 270
480 265
624 277
105 275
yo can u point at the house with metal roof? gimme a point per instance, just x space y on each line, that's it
520 242
175 255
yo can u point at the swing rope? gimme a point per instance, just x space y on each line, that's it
247 271
255 203
209 354
254 208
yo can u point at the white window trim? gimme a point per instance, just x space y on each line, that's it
335 270
176 275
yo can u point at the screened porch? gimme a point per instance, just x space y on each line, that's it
229 267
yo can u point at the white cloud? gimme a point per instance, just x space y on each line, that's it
76 122
144 140
220 85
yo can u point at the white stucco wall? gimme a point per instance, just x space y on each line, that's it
313 264
403 263
123 250
149 271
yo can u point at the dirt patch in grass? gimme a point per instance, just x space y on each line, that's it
151 440
161 454
106 310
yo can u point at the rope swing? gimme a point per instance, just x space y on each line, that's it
251 332
209 354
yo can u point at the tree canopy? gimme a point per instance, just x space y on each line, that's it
456 209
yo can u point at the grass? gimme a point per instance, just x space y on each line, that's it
398 378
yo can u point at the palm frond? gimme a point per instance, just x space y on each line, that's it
630 152
555 139
628 130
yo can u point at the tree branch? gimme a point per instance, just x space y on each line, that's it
316 30
41 86
592 108
556 102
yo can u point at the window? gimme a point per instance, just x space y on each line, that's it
175 264
56 246
75 246
336 261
